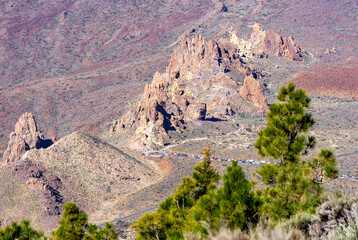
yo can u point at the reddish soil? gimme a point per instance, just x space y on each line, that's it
338 80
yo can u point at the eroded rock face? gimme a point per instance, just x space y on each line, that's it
205 80
253 91
25 137
201 112
264 42
195 86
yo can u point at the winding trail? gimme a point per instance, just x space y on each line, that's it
160 154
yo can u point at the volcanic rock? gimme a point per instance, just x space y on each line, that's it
195 84
264 42
45 185
220 7
253 91
204 80
201 112
25 137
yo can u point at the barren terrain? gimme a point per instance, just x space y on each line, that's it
79 65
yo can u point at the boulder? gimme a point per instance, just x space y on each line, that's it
253 91
201 112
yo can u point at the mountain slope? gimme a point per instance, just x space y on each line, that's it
79 168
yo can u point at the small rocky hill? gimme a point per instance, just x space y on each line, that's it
205 81
78 167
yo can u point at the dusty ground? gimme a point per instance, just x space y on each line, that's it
339 80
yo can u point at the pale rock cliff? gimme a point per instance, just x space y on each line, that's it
25 137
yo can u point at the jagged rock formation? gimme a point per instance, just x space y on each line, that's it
264 42
195 86
205 80
25 137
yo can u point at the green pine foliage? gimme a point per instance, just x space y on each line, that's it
205 176
289 191
284 137
108 232
22 231
74 225
294 185
235 204
238 202
172 216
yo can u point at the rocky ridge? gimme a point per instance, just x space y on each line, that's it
205 80
78 167
264 42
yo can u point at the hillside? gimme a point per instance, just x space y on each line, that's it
79 168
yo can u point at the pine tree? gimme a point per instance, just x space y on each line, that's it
294 184
234 204
22 231
73 223
171 218
204 175
238 203
107 232
284 137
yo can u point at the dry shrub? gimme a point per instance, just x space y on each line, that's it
223 234
336 219
264 231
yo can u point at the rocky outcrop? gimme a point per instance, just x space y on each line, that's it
205 80
25 137
85 164
45 185
201 112
196 85
220 7
264 42
253 92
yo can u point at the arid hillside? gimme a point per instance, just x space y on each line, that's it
79 64
35 182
